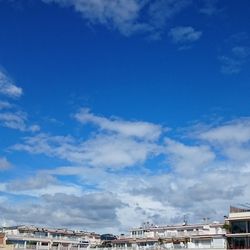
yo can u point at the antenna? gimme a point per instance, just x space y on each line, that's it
206 219
185 220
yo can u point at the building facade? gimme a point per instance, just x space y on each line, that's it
208 235
238 226
41 238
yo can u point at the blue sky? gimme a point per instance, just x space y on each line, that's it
116 112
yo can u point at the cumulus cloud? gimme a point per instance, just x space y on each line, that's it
199 178
184 34
8 87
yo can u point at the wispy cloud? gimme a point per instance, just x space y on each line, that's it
13 120
209 7
233 63
119 14
17 120
117 144
138 129
100 151
237 55
241 51
126 15
5 105
4 164
184 35
162 10
230 65
8 87
11 115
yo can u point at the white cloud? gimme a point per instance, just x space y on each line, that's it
4 163
126 15
200 178
13 120
184 34
237 131
230 65
35 182
241 51
34 128
8 87
116 151
5 105
187 160
11 115
17 120
63 147
118 144
50 189
139 129
119 14
101 151
210 7
162 10
231 139
233 59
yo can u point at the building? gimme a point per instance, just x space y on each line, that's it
43 238
2 240
238 227
207 235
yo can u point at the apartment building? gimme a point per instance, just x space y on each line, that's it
207 235
33 237
238 228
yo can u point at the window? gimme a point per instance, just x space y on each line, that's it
239 243
248 226
239 227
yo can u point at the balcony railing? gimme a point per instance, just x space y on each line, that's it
44 238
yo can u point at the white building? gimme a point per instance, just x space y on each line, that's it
33 237
208 235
